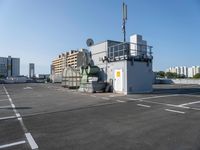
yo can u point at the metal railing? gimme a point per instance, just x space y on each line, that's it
126 50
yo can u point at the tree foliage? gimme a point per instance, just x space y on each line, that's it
171 75
1 76
197 76
160 74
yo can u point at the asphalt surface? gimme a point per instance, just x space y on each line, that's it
49 117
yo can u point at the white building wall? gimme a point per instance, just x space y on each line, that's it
181 70
139 77
190 72
138 46
185 70
111 67
178 70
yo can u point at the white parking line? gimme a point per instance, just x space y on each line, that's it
144 105
111 95
104 104
12 144
83 94
160 103
28 135
175 111
1 100
31 141
132 99
106 98
9 117
190 103
93 95
120 101
18 116
153 97
28 88
13 105
2 107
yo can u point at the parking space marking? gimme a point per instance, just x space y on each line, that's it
6 118
103 104
106 98
111 95
144 105
132 99
175 111
28 135
31 141
12 144
93 95
159 103
120 101
1 100
2 107
13 105
18 116
190 103
83 94
28 88
153 97
115 95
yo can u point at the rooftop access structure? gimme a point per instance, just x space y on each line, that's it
125 66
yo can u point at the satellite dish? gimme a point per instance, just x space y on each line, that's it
89 42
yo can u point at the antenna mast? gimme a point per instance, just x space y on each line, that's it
124 12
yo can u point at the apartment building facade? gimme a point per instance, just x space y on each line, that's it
62 61
189 72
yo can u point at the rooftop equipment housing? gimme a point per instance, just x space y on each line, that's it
125 66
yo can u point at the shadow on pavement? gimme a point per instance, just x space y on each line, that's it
17 108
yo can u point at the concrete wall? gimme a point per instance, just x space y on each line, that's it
186 81
177 81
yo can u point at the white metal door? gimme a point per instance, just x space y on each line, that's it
118 80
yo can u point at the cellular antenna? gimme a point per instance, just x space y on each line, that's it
124 13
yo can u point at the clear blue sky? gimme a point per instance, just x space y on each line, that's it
38 30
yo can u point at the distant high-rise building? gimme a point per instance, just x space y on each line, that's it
9 66
185 71
31 70
59 64
190 72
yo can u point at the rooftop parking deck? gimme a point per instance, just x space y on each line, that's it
50 117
